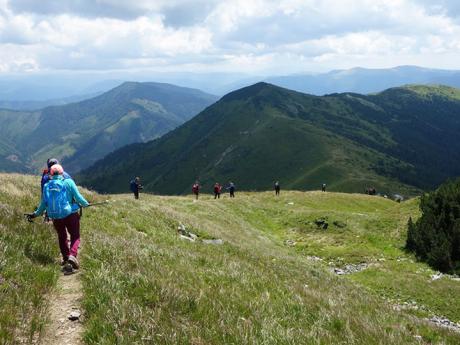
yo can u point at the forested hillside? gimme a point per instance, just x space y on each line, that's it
81 133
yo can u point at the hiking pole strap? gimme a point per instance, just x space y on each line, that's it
29 217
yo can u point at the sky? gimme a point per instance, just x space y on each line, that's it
234 36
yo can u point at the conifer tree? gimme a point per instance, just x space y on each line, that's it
435 237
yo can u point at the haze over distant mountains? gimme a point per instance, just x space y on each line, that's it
26 92
37 105
400 140
83 132
44 87
364 80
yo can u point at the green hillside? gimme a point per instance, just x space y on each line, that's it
81 133
400 141
270 282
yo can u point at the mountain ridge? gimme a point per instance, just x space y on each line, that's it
348 140
84 131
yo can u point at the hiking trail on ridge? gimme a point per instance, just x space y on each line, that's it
65 299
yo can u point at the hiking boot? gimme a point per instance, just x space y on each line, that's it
74 262
67 269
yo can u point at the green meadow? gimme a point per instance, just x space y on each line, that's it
272 280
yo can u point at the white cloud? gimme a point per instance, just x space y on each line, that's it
229 35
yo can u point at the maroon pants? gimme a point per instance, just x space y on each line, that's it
69 224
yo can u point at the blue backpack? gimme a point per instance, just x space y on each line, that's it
133 186
57 204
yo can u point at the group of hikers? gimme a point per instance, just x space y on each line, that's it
231 189
136 187
61 202
217 189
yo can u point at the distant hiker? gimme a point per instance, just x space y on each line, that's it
277 188
196 189
323 187
45 175
135 186
217 190
62 200
371 191
231 189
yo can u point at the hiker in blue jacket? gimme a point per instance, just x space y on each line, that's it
277 188
135 186
231 189
62 200
46 177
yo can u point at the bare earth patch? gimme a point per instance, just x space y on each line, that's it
64 302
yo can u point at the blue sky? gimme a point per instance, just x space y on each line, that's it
250 36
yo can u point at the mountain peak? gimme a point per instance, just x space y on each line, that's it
253 90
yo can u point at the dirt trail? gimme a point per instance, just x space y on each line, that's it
66 298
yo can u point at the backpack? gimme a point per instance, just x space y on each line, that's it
57 203
133 186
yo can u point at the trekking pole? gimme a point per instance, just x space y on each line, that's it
94 204
98 203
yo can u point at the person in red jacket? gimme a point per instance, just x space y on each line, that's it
217 190
196 189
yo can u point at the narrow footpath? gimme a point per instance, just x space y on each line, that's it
64 303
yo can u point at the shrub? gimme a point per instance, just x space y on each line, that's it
435 237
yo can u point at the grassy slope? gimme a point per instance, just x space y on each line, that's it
27 262
145 285
253 289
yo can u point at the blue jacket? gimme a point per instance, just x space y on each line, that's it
73 196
